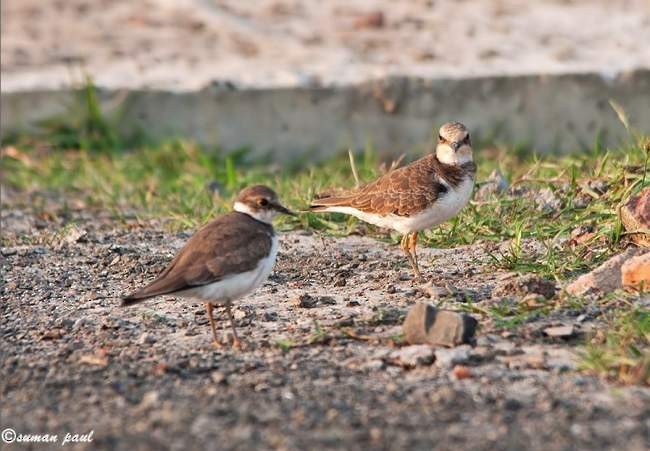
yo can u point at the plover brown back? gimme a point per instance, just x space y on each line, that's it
416 197
226 259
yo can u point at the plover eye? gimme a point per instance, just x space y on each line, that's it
441 139
263 202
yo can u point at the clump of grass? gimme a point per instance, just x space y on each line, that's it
319 335
285 345
621 352
87 125
515 217
511 313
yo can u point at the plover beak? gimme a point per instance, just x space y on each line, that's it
282 209
455 145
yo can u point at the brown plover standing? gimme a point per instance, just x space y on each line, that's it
418 196
226 259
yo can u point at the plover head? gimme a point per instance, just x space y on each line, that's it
261 203
454 145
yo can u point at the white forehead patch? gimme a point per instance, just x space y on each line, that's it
263 214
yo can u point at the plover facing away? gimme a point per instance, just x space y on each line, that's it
226 259
416 197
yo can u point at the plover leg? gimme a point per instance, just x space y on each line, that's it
236 343
215 341
412 243
405 245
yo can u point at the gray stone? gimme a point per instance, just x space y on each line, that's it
524 285
307 301
83 322
218 377
546 200
426 324
506 348
582 200
434 292
545 357
496 183
487 340
412 356
74 235
560 331
146 338
150 400
447 358
372 365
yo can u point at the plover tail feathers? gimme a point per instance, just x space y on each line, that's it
162 285
131 299
134 298
324 202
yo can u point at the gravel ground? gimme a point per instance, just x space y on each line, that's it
186 44
147 377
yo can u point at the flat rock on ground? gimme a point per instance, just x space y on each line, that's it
607 277
330 376
635 273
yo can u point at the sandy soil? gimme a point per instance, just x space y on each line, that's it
147 377
185 44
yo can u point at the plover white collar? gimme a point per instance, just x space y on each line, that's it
225 260
416 197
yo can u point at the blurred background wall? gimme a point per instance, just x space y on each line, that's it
291 77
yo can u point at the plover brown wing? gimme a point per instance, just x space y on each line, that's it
415 197
226 259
